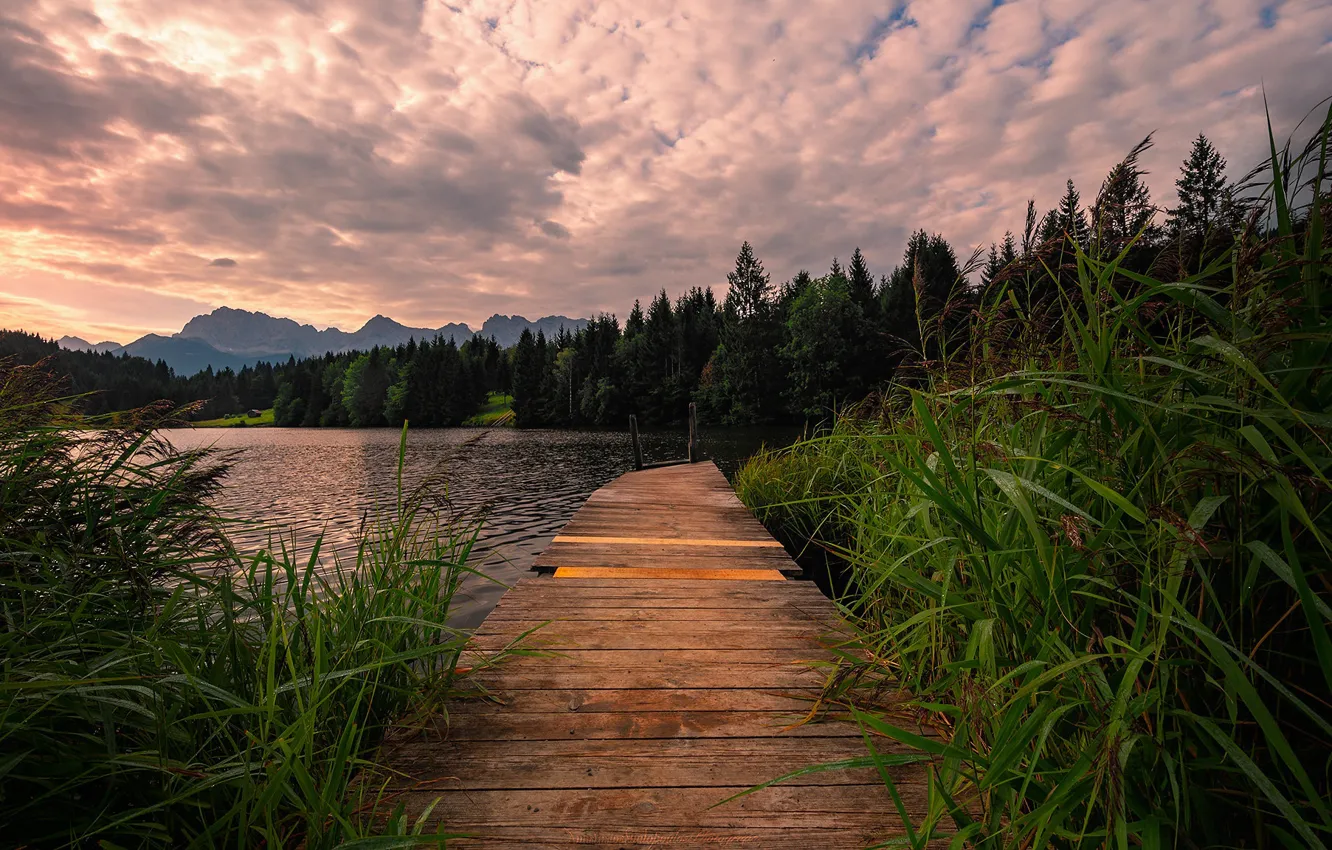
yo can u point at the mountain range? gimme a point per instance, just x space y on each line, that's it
230 338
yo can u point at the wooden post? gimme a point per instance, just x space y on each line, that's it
693 433
633 435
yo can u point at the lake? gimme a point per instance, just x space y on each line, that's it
308 481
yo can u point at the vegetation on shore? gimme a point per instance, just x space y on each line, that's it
1087 533
498 410
431 383
237 420
161 688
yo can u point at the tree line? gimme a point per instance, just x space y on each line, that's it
799 350
108 383
766 353
431 383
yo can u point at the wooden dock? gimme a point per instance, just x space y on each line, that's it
682 662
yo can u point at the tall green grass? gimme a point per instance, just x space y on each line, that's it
1101 563
161 689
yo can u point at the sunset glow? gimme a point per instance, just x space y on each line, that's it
439 163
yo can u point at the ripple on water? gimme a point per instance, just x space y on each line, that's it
298 483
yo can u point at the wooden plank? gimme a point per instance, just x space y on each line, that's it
670 533
735 513
657 636
785 838
684 586
673 554
614 763
668 572
648 658
629 605
483 723
673 676
539 614
733 523
668 631
753 559
777 807
673 638
666 541
577 591
602 699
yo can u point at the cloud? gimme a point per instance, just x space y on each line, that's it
223 262
434 162
555 230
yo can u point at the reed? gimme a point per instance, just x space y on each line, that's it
161 689
1100 562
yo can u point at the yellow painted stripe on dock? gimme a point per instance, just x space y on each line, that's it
668 541
668 573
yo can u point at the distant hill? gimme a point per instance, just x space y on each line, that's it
187 356
231 338
74 343
507 329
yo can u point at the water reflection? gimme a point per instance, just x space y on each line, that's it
303 482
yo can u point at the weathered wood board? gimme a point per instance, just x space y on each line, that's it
650 701
678 517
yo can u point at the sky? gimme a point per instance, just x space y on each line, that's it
442 161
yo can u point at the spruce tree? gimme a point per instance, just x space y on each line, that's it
1071 219
1123 209
920 290
527 375
1203 193
1048 231
742 383
993 266
634 325
792 288
860 281
821 348
661 366
750 292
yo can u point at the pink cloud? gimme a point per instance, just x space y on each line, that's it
440 165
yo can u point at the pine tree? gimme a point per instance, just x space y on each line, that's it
660 364
860 281
527 375
1123 209
1048 231
1203 193
920 289
821 345
750 292
634 325
1070 217
699 324
992 267
741 379
792 288
1008 250
789 292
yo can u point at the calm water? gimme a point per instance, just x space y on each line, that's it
304 482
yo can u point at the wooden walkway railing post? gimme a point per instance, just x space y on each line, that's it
633 435
693 433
